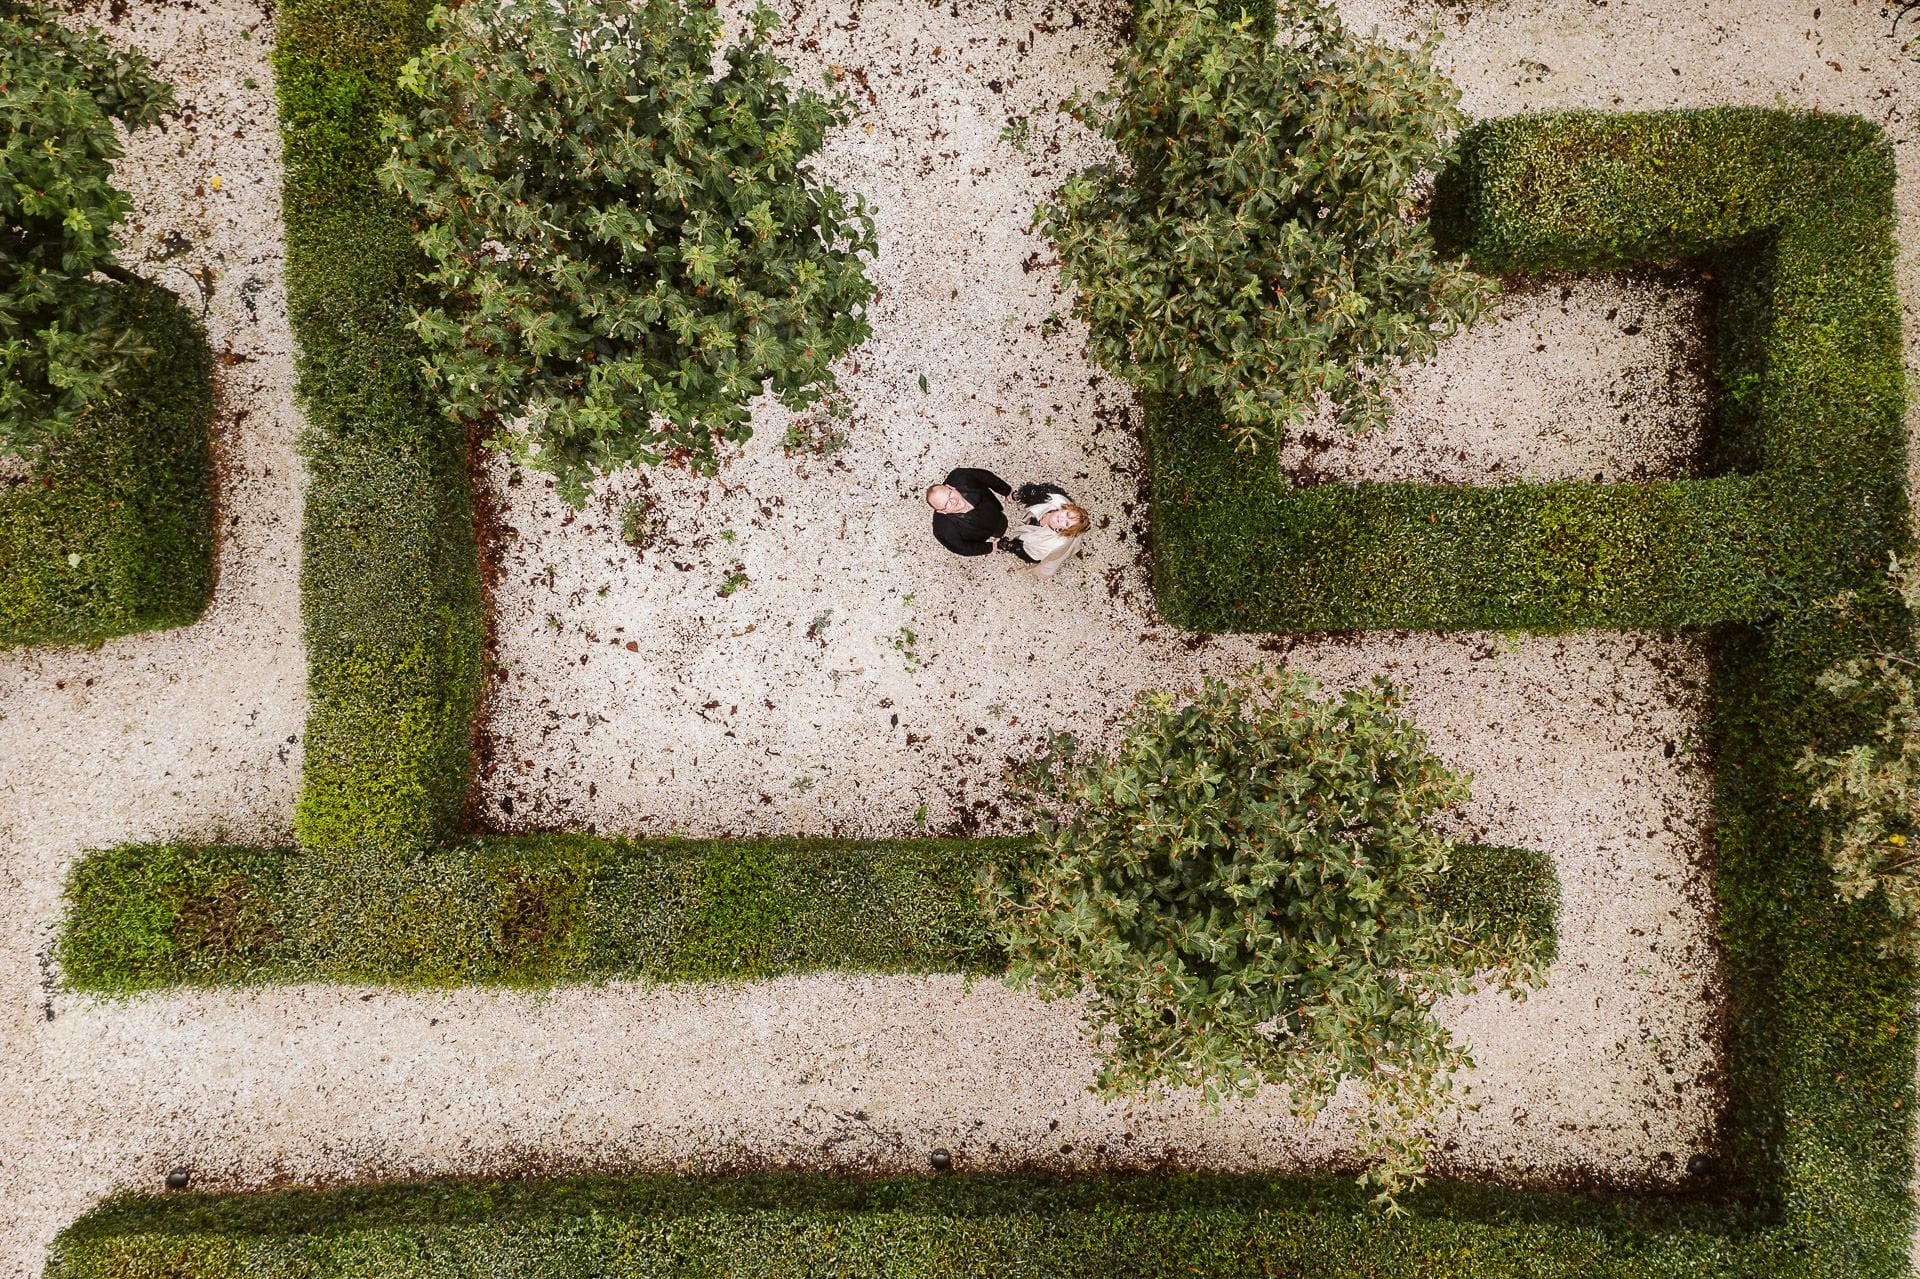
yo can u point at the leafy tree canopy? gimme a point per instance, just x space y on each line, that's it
1246 889
629 243
60 92
1262 240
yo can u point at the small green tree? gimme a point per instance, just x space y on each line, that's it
1263 240
60 345
1247 888
1873 787
629 246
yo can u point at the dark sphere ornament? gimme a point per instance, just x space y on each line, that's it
1702 1165
177 1179
941 1160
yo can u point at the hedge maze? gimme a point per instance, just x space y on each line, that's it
1779 555
381 888
1792 217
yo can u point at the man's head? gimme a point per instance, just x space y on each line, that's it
947 500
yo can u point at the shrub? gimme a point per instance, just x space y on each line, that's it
389 567
112 532
1248 886
629 247
1263 242
62 335
1872 788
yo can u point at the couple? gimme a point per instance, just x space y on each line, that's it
968 519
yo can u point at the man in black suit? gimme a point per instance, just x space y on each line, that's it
966 510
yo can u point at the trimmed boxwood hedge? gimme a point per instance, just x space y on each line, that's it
113 532
530 910
390 577
535 910
1237 548
1792 216
1793 213
794 1225
1505 892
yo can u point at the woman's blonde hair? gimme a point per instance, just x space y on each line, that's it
1081 520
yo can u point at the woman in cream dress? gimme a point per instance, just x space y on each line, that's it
1051 532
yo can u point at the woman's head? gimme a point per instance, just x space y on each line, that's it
1069 519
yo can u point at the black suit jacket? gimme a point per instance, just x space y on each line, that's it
971 533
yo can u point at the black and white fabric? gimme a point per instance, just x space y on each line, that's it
972 532
1044 548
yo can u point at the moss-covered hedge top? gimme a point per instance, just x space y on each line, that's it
389 579
1006 1227
1797 212
112 532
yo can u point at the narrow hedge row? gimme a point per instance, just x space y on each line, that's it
1008 1227
1237 548
524 911
113 533
542 909
390 584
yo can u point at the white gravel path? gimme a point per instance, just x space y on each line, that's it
188 733
195 731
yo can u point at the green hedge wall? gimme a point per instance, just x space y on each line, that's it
1237 548
1794 213
535 910
1004 1227
390 580
529 910
113 532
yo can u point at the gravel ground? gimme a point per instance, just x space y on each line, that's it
1580 745
194 732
